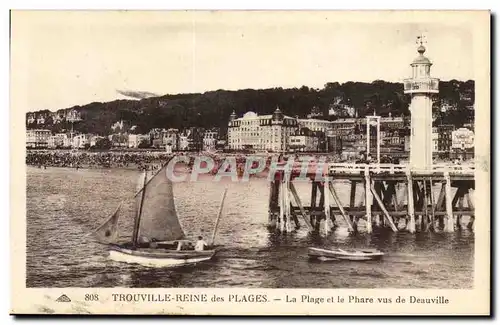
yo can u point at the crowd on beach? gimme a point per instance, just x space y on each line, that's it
83 159
139 160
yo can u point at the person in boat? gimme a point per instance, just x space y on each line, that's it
153 243
200 244
184 245
144 241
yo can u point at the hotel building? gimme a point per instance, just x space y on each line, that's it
261 132
37 138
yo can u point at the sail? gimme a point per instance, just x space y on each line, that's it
158 217
107 233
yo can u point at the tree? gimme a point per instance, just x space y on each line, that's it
103 144
213 108
144 144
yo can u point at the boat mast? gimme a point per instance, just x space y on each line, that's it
218 216
137 220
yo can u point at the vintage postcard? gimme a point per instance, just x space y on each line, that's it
250 162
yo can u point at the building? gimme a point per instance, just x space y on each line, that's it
334 144
134 140
462 139
264 132
462 144
80 141
171 140
119 139
118 126
435 137
94 139
59 140
392 138
73 116
444 137
195 139
221 144
183 142
37 138
210 138
41 118
392 122
345 123
469 126
304 140
156 137
315 112
30 118
58 116
315 124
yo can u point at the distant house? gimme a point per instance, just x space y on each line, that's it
41 118
304 140
73 116
156 135
59 140
30 118
81 140
171 140
134 140
210 138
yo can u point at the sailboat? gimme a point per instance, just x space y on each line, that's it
158 239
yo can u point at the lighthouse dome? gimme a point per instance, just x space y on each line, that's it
421 59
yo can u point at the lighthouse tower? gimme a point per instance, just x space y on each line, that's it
421 87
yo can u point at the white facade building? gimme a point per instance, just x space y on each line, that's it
210 138
80 140
305 143
462 139
94 139
264 132
30 118
40 119
73 116
135 139
316 125
435 139
59 140
171 140
183 142
37 138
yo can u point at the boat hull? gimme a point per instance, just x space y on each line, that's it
325 254
159 257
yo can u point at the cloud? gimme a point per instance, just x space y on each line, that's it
136 94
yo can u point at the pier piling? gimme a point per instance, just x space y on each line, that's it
381 203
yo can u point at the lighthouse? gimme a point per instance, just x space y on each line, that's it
421 87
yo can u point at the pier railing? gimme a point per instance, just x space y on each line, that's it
357 169
393 168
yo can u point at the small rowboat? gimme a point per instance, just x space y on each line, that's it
348 254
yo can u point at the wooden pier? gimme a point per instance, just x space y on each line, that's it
392 195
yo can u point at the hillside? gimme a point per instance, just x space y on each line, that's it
212 108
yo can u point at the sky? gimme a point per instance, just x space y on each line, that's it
61 59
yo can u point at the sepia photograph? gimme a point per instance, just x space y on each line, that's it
255 150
